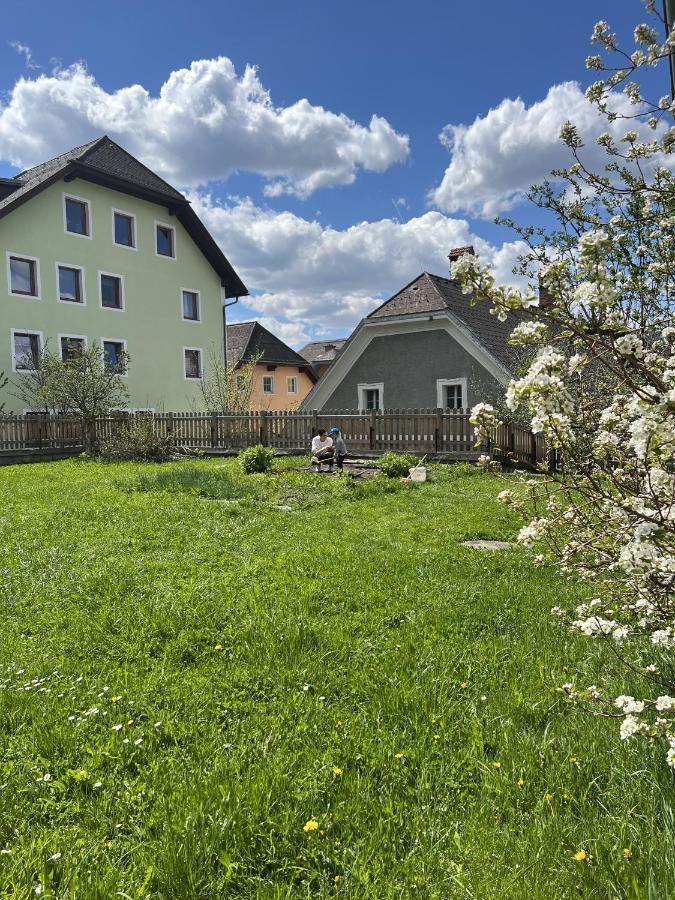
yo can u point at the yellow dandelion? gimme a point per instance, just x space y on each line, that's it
116 699
580 855
464 684
337 771
520 782
549 797
398 756
312 825
627 853
130 722
437 737
218 648
496 765
573 760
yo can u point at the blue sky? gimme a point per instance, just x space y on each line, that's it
318 240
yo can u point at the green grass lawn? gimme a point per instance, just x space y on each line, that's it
188 686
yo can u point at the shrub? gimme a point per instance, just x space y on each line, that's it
136 440
256 459
396 465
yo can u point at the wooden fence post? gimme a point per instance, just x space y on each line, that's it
169 423
262 431
438 434
214 430
372 432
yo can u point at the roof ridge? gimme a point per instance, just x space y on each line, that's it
73 153
105 139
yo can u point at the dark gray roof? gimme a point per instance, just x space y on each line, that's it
31 179
432 293
322 351
246 340
105 162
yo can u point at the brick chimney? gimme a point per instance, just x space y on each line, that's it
545 296
456 252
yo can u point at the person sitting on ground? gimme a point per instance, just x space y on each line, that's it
339 447
322 450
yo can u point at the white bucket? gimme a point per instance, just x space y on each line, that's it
418 473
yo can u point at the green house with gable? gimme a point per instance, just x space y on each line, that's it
98 250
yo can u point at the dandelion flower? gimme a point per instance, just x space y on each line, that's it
464 684
520 782
627 853
337 771
437 737
218 648
130 722
580 855
312 825
549 797
398 756
496 765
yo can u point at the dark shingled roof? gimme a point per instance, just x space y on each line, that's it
106 163
245 340
432 293
322 351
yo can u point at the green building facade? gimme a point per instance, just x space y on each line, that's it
97 250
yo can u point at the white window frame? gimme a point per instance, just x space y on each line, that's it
185 290
294 379
14 331
38 285
83 289
116 340
122 292
77 337
201 364
441 385
271 378
361 394
90 223
134 231
174 242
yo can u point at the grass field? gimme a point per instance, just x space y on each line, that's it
208 698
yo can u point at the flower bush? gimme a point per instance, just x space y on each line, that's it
396 465
256 459
601 384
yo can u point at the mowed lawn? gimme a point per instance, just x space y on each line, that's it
207 699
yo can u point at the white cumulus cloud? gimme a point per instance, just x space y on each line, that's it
500 155
323 279
206 123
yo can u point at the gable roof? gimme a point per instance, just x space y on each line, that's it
432 293
104 162
317 352
246 340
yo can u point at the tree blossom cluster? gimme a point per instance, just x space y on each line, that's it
600 385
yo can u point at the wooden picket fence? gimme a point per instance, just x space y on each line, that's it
437 432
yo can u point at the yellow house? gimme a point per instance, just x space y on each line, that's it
282 378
